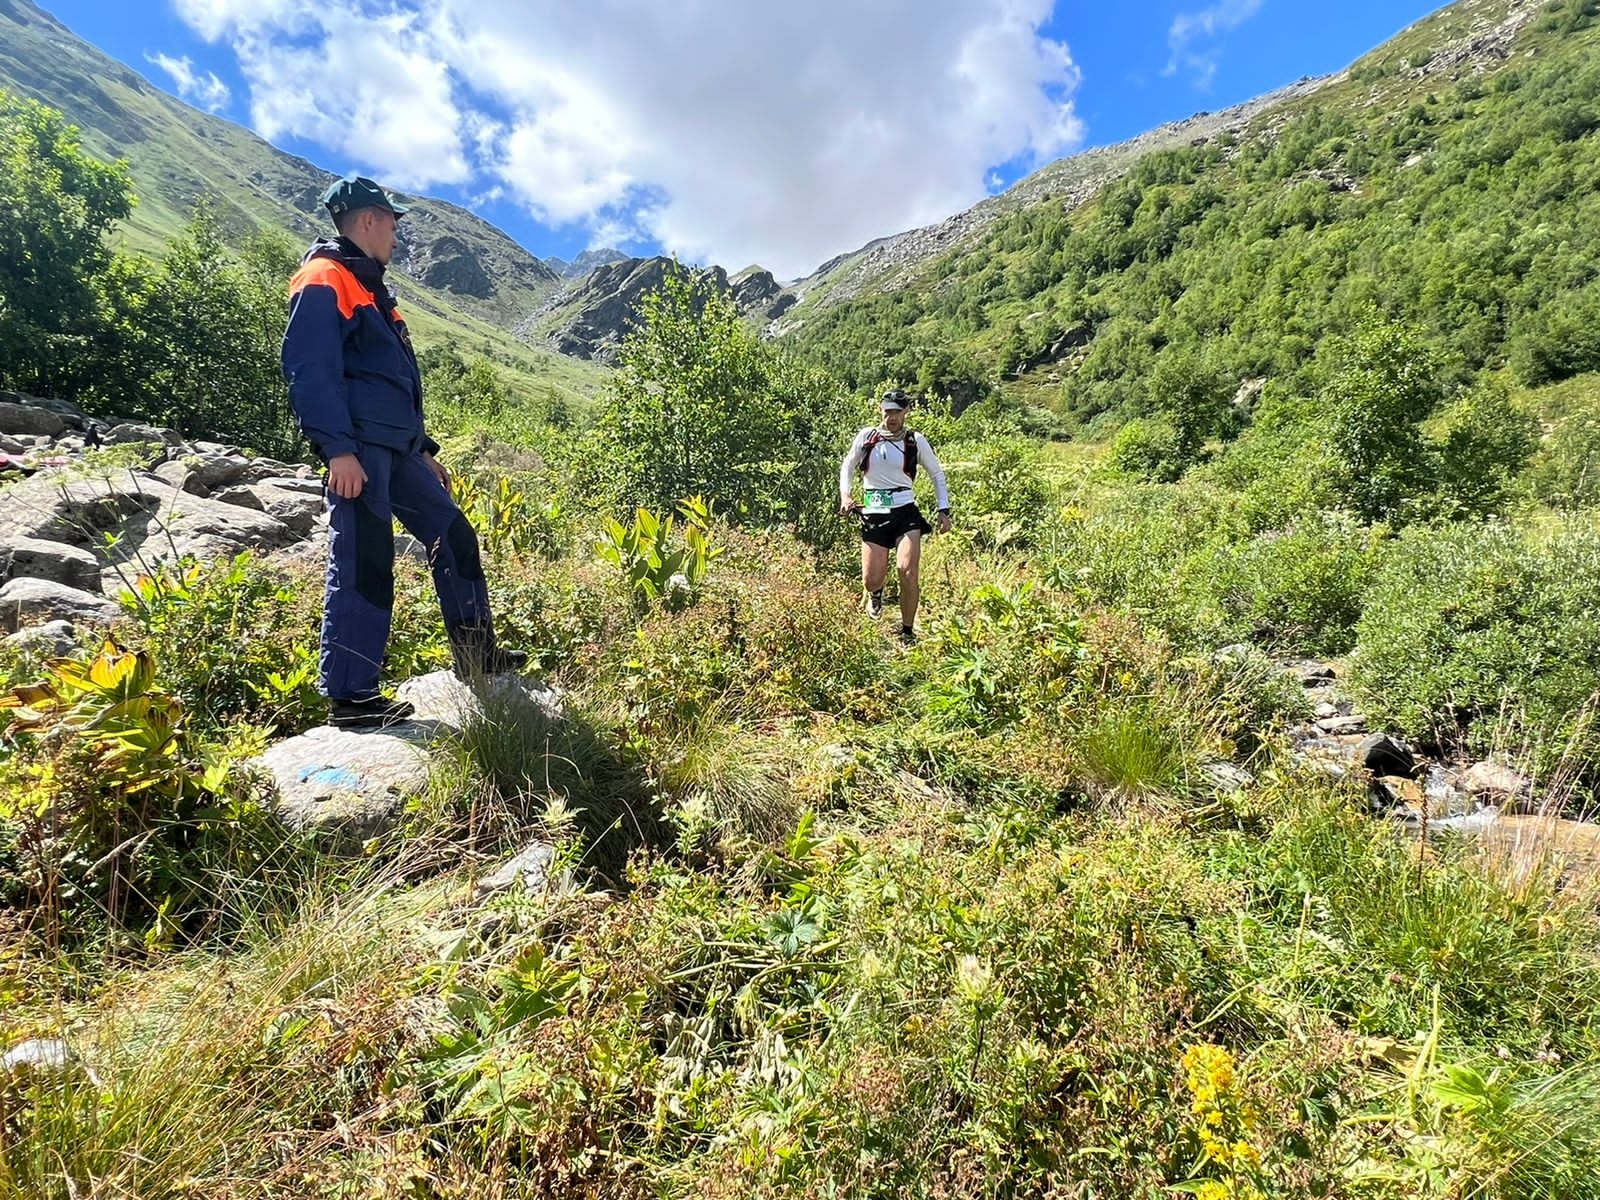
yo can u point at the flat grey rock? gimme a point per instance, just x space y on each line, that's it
35 558
1343 726
440 696
296 508
347 783
34 601
529 868
133 431
55 638
1225 778
309 484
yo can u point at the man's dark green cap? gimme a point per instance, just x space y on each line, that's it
357 191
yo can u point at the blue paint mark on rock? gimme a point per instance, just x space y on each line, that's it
341 777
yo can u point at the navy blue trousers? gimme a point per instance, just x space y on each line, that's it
360 594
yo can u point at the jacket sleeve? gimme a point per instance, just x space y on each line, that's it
927 458
313 364
847 468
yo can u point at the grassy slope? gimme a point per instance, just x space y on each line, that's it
984 970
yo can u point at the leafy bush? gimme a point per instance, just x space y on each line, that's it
1296 590
236 640
1004 495
1384 380
1150 448
1481 443
1484 635
1565 472
106 800
654 568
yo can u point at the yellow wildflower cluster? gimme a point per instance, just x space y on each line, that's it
1223 1121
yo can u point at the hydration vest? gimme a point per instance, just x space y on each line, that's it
876 438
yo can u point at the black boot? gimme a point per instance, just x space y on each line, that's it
476 654
375 712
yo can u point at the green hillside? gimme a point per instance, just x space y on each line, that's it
466 281
1451 178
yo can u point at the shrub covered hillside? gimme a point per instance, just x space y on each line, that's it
1067 899
1449 179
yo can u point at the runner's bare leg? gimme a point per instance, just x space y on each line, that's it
909 561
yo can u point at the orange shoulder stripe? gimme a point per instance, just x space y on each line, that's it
347 290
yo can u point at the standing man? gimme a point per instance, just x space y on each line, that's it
887 458
357 393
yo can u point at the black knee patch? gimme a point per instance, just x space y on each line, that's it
463 542
374 558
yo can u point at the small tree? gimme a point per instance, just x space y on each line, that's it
701 407
1384 380
192 342
56 202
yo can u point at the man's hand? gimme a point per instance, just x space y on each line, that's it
845 508
944 522
438 470
346 477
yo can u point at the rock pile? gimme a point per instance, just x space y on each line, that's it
74 532
1402 783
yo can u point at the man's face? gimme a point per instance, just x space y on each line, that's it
894 419
377 233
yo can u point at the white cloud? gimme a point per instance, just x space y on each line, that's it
206 91
726 131
1189 28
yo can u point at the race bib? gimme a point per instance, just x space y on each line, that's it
878 500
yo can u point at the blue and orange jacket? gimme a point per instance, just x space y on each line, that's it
352 373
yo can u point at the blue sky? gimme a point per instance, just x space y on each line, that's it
721 130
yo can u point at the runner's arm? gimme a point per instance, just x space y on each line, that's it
928 459
847 468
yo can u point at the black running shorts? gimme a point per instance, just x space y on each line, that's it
886 529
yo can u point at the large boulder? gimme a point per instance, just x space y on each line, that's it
347 785
33 601
27 419
33 558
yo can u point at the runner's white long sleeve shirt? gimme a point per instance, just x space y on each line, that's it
887 469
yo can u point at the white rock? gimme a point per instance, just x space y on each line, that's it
346 782
530 867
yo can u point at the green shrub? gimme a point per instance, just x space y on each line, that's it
1483 634
1480 443
1297 590
1003 495
1565 472
108 803
236 640
1150 448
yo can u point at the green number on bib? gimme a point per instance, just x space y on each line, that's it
879 500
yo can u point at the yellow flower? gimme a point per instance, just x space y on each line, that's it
1246 1155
